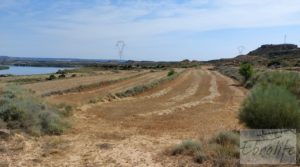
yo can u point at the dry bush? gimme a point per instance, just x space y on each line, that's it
21 109
226 149
190 148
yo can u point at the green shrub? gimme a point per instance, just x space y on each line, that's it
51 123
246 70
171 72
226 149
51 77
289 80
200 157
187 147
21 109
61 72
62 76
227 138
270 107
192 148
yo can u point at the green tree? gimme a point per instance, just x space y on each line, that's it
246 70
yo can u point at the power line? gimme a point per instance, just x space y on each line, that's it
120 46
241 49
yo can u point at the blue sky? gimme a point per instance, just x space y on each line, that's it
152 29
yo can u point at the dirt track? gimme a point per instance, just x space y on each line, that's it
136 131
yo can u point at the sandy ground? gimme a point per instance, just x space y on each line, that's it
135 131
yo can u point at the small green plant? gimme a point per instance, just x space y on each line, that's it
51 77
200 157
246 70
62 76
187 147
61 72
227 138
171 72
270 107
191 148
225 146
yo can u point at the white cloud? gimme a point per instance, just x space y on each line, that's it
148 18
81 27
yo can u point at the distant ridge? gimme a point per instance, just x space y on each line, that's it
270 55
55 59
275 50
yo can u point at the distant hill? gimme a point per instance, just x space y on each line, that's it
281 55
59 62
71 62
276 50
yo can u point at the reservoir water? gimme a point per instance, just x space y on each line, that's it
28 70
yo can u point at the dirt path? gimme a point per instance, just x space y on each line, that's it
136 131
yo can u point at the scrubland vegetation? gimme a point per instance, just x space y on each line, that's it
21 109
222 149
232 72
271 107
273 101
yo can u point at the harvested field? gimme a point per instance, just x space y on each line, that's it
47 87
87 96
135 131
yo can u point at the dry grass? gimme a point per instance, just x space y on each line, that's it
90 86
66 84
142 88
221 150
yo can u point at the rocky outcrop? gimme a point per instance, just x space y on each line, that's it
276 50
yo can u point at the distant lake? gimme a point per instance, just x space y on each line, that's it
28 70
